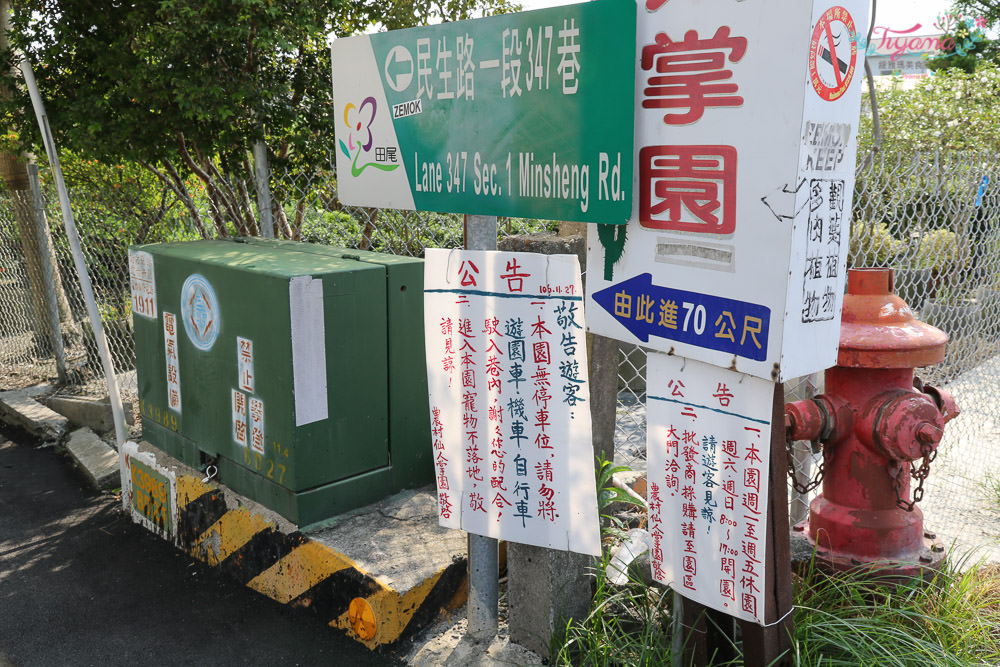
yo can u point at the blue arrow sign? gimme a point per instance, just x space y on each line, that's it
703 320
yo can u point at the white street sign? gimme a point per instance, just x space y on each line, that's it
746 135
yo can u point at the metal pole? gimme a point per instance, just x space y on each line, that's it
117 412
484 558
48 271
260 171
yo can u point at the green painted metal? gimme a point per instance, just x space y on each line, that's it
528 114
375 439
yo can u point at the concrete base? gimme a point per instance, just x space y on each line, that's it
545 588
379 573
92 413
19 409
97 458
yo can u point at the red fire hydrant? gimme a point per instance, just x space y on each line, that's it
875 419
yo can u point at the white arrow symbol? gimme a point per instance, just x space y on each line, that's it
399 68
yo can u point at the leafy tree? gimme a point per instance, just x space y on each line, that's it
965 45
188 86
953 109
987 11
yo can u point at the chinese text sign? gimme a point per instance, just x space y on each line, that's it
509 397
708 452
746 135
526 114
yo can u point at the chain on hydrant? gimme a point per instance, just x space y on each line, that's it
879 428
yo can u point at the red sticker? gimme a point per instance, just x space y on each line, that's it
833 53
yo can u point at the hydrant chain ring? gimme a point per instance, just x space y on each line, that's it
920 474
820 470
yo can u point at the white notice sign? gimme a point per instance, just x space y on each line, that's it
172 361
257 425
509 397
708 452
239 405
244 363
142 280
745 141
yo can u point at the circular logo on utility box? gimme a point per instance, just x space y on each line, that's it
200 311
833 53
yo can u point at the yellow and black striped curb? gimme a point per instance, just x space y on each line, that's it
281 563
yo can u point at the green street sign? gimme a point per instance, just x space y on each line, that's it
527 115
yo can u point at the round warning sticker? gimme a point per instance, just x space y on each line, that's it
200 311
833 53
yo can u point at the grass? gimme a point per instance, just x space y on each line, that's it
954 620
991 487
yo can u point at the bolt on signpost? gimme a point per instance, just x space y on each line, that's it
526 115
733 264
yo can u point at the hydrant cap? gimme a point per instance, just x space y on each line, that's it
878 329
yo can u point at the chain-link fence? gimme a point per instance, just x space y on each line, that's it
932 217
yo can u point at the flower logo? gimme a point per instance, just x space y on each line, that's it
360 137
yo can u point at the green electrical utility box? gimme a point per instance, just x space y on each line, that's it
296 369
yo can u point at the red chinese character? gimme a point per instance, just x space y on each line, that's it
547 510
468 272
724 395
541 352
727 589
444 505
688 188
515 280
729 447
543 470
476 503
750 604
687 69
538 327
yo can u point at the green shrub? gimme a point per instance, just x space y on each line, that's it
939 250
872 245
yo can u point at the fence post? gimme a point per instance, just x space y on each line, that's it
48 270
261 171
484 552
117 411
